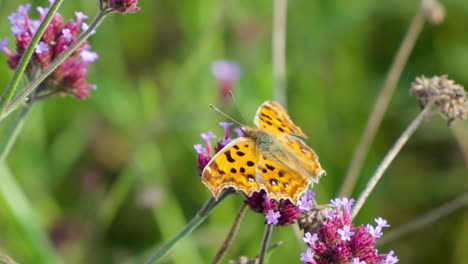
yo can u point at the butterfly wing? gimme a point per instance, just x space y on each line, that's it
233 166
279 180
299 157
272 117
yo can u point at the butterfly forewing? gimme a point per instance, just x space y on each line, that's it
272 117
233 166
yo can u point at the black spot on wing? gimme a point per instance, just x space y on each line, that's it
265 115
250 163
236 147
240 153
228 156
233 170
270 167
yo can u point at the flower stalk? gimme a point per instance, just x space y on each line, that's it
390 157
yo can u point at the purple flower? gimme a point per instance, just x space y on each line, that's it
80 16
339 241
345 233
122 6
89 56
272 217
226 74
70 76
85 27
357 261
41 47
310 239
390 259
3 43
308 256
381 222
306 201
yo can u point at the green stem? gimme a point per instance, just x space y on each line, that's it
194 223
266 240
13 133
38 80
23 63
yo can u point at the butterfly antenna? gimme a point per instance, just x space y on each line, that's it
237 106
224 114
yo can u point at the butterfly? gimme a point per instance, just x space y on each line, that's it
267 157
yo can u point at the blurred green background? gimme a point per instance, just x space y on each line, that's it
110 178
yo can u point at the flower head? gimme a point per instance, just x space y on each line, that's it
308 256
226 74
272 217
337 240
70 76
450 98
121 6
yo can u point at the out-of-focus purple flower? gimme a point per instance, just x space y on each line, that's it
3 43
122 6
226 74
381 222
339 241
227 137
70 76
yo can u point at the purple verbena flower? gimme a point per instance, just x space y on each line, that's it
272 217
339 241
70 76
226 139
121 6
381 222
308 257
310 239
306 201
226 74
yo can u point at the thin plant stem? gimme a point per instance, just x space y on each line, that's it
47 71
13 133
266 240
279 49
23 63
4 259
194 223
389 157
426 219
459 131
382 102
227 242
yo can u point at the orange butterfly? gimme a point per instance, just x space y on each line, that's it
267 157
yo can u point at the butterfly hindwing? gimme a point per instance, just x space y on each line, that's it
272 117
279 180
233 166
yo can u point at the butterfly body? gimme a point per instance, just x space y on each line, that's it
267 157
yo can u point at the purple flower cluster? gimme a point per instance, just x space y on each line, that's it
339 241
122 6
204 154
70 76
282 212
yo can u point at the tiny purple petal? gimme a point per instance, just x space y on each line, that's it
239 131
331 214
225 70
85 27
357 261
80 16
305 202
199 148
16 18
272 217
345 233
308 256
381 222
42 10
3 43
89 56
24 9
226 125
310 239
17 29
391 259
41 47
375 232
207 136
67 34
34 25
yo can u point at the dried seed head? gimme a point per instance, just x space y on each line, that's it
310 221
434 11
449 97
